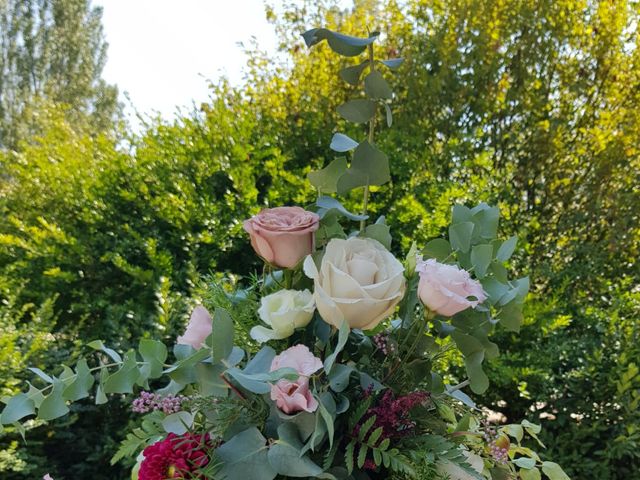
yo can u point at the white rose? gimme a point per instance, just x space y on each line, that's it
283 311
359 281
445 289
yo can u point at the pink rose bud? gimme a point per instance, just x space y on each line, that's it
283 236
292 397
445 289
199 328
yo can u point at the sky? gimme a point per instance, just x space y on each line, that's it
162 51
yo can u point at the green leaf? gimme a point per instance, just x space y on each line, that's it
327 407
122 381
506 249
486 219
343 335
53 405
533 474
261 362
327 204
339 377
481 256
222 337
514 431
352 74
99 345
392 63
525 462
379 232
438 248
82 383
342 143
244 457
41 374
345 45
460 214
208 377
460 236
259 383
154 353
358 111
477 377
284 455
389 115
554 471
178 423
18 407
375 86
511 317
369 166
326 180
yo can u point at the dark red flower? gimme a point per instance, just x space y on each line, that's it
177 456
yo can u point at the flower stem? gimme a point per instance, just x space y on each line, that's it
372 128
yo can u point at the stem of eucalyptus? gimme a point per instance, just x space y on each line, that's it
372 127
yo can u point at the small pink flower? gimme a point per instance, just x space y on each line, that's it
199 328
445 289
292 397
284 235
47 477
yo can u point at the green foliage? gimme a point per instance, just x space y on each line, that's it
52 51
531 107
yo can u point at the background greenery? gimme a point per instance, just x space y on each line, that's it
530 105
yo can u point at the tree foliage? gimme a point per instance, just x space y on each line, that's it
52 50
532 106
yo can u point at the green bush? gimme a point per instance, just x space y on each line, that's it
534 106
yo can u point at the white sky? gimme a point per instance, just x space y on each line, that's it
159 50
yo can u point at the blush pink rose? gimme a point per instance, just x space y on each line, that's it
445 289
198 329
292 397
283 236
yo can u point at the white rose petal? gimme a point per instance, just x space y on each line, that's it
359 281
283 311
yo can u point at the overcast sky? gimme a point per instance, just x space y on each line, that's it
160 50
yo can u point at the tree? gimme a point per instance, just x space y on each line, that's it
53 51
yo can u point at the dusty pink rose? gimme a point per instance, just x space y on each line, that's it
283 236
292 397
199 328
445 289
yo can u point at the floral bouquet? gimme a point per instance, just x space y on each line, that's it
343 376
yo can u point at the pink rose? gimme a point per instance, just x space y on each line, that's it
199 328
445 289
283 236
292 397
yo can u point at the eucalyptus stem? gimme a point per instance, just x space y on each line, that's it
372 128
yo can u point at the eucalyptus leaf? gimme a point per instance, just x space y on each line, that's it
53 406
438 248
222 337
326 179
506 249
339 377
81 384
18 407
375 86
342 143
178 423
358 111
328 203
352 74
379 232
554 471
369 166
99 345
244 457
460 236
392 63
284 455
481 256
125 377
154 354
345 45
389 115
343 335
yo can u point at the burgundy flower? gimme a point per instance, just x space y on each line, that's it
175 457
